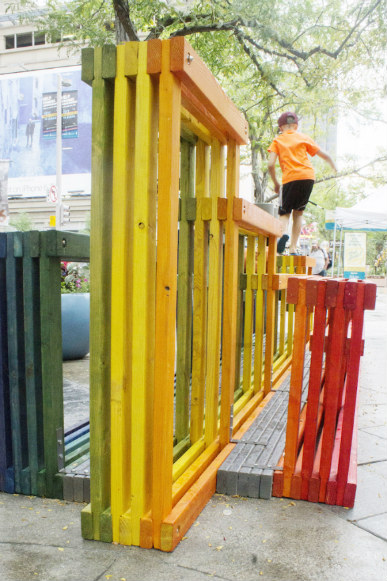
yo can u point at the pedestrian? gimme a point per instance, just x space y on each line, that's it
30 128
320 257
292 148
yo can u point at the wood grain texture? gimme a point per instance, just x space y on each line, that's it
229 345
199 338
187 65
168 204
100 295
121 277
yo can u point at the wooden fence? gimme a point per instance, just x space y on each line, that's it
167 257
31 378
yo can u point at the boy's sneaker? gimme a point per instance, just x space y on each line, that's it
282 243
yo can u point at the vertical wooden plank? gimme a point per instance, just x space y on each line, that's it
350 401
32 342
295 390
270 313
315 379
16 364
248 330
289 341
240 310
230 297
282 324
121 315
142 336
259 315
333 366
7 483
168 204
214 296
51 353
184 295
100 295
199 339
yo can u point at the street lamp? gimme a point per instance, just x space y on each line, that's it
58 212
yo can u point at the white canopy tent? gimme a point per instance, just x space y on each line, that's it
368 215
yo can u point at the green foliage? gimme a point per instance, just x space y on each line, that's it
270 56
75 277
377 252
21 222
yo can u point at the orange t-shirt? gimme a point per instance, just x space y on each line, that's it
292 148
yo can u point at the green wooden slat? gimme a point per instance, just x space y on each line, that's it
16 362
68 246
33 367
239 332
100 269
184 294
88 65
52 371
108 62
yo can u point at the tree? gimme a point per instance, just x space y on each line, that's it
269 56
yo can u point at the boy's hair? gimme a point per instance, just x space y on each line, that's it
287 118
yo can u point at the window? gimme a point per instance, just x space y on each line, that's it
10 42
39 38
24 39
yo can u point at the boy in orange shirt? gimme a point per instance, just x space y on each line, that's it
292 149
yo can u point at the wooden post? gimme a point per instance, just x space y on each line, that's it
230 297
199 339
168 205
99 68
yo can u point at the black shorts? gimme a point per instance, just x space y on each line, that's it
295 196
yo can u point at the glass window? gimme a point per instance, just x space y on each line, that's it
24 39
10 42
39 38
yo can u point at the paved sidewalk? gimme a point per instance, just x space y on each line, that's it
234 539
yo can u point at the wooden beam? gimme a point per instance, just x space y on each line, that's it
254 219
188 66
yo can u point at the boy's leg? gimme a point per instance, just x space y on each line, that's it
284 218
296 229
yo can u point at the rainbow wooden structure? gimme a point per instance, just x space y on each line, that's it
319 462
170 288
194 319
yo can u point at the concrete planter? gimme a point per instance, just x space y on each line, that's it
75 325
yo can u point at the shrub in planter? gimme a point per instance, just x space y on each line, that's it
75 310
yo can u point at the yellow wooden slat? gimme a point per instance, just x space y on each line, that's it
181 465
289 340
248 330
121 317
259 315
142 342
199 336
214 297
282 311
270 313
229 297
167 229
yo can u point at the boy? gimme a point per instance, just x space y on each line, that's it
291 147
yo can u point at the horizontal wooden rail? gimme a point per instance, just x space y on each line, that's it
251 218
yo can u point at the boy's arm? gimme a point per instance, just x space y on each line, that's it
271 167
327 158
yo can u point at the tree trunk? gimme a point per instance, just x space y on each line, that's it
121 35
258 190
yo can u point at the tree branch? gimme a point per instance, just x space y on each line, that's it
121 9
